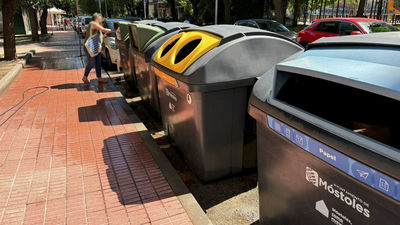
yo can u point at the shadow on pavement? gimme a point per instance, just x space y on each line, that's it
92 86
132 171
109 114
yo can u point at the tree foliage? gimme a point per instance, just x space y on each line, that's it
115 8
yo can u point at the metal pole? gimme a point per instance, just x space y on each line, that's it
105 2
216 11
100 6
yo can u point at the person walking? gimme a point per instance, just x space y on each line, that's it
94 59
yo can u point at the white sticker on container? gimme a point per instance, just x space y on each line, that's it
171 107
171 94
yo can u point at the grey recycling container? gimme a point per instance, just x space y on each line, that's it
204 77
327 133
146 81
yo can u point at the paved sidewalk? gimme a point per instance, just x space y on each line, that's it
24 45
72 155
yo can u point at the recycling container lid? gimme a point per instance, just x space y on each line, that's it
374 39
155 45
222 53
366 71
173 26
122 30
143 35
147 22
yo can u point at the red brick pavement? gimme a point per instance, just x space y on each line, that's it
72 155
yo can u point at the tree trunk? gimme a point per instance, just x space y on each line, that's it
279 11
284 7
337 8
324 10
361 6
379 13
320 9
376 9
344 7
155 10
260 8
8 30
34 24
386 11
372 9
311 10
172 7
227 11
43 21
305 12
296 8
195 10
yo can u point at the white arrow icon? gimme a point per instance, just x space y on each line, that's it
363 174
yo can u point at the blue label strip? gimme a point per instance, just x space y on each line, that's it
342 162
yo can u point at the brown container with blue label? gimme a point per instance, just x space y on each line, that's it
327 133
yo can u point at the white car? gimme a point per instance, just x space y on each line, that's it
111 53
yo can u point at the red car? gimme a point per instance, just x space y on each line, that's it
341 26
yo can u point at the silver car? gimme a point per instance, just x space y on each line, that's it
84 25
111 53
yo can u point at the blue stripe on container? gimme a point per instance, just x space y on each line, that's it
355 169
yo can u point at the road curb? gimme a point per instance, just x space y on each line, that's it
189 203
7 80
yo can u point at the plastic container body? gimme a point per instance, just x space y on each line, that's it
327 139
204 78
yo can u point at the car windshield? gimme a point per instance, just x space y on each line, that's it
376 27
272 26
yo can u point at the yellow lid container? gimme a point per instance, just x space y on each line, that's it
183 49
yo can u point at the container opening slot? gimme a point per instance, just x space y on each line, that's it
186 50
169 47
363 112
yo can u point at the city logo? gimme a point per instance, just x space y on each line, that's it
339 193
312 176
320 206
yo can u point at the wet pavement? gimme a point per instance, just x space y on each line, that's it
71 155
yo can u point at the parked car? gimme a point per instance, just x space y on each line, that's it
78 21
268 25
73 22
84 25
111 53
341 26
